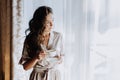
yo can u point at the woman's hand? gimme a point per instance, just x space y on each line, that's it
41 55
58 57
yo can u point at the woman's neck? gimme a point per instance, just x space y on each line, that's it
46 34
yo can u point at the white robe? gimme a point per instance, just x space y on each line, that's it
47 69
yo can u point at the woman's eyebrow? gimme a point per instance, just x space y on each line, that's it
47 21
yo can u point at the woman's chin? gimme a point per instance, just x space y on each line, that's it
46 33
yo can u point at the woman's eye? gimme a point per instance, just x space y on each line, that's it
48 22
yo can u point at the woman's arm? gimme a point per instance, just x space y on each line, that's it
31 62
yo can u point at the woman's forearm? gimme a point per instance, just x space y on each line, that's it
30 63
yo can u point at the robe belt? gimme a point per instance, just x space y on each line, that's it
44 72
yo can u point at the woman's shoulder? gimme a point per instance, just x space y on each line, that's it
57 33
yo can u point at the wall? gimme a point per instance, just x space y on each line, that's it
5 39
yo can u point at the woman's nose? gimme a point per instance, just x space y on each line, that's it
51 24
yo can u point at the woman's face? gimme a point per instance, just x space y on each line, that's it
48 23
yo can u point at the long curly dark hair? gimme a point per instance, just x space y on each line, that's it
37 28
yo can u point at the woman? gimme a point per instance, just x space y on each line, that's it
43 50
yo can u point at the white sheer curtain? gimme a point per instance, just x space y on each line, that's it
76 39
104 18
90 29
